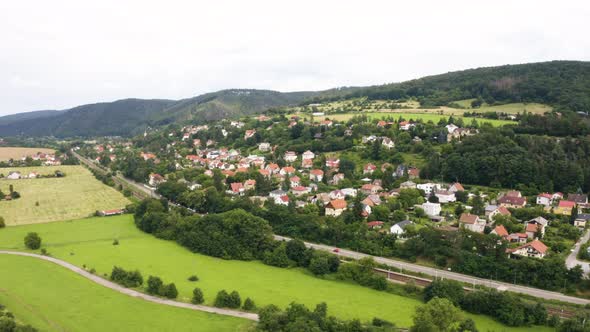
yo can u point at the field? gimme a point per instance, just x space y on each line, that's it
512 108
17 153
52 298
429 115
77 195
89 242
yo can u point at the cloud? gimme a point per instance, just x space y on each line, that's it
63 53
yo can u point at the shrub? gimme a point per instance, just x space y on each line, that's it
193 278
33 241
197 296
154 284
249 305
234 300
446 289
277 257
126 278
170 291
221 299
2 224
115 242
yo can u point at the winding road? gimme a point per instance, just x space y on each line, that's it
134 293
438 273
572 260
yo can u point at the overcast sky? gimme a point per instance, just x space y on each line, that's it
58 54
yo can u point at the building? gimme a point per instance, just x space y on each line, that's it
431 209
400 227
456 187
578 198
156 180
290 156
335 207
472 222
494 210
13 175
106 213
428 188
565 208
500 231
369 168
582 220
308 155
445 196
534 249
316 175
544 199
264 147
514 202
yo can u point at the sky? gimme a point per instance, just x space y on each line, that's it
59 54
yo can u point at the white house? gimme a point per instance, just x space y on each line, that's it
544 199
264 147
290 156
13 176
431 209
472 222
428 188
400 227
308 155
335 207
445 196
388 143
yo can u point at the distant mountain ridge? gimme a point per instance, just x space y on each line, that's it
562 84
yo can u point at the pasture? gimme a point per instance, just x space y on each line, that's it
52 298
7 153
89 242
426 115
77 195
512 108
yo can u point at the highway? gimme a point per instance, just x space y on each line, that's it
438 273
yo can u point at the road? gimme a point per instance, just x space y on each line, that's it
134 293
572 259
438 273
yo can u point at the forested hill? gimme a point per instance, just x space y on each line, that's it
131 116
562 84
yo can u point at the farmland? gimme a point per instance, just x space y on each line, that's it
52 298
7 153
77 195
89 242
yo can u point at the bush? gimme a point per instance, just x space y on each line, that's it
128 279
170 291
33 241
221 299
446 289
2 224
225 300
249 305
277 257
115 242
193 278
234 300
323 263
154 284
197 296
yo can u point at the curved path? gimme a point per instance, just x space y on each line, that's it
438 273
572 259
134 293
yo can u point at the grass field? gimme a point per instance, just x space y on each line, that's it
52 298
7 153
424 116
77 195
512 108
89 242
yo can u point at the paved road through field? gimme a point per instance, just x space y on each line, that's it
438 273
134 293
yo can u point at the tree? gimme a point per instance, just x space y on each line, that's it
197 296
33 241
319 264
296 251
437 315
154 285
2 224
467 325
234 300
444 289
170 291
222 299
277 257
249 305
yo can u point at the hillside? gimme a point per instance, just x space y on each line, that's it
562 84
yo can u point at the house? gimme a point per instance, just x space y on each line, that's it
532 229
369 168
455 187
518 237
272 168
514 202
431 209
316 175
581 220
472 222
283 200
349 192
400 227
375 224
497 210
156 180
413 173
535 249
147 156
287 170
406 125
249 184
544 199
407 185
13 175
369 189
295 181
335 207
337 194
578 198
333 163
565 208
276 194
500 231
249 133
451 127
337 178
264 147
308 155
33 175
300 190
445 196
237 188
458 133
307 163
290 156
388 143
428 188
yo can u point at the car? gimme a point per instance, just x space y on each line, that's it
336 250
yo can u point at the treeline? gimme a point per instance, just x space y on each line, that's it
498 158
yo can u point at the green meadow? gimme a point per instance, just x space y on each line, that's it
424 116
89 242
52 298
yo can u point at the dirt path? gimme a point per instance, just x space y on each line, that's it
134 293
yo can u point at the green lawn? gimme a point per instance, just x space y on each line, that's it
77 195
52 298
424 116
89 242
